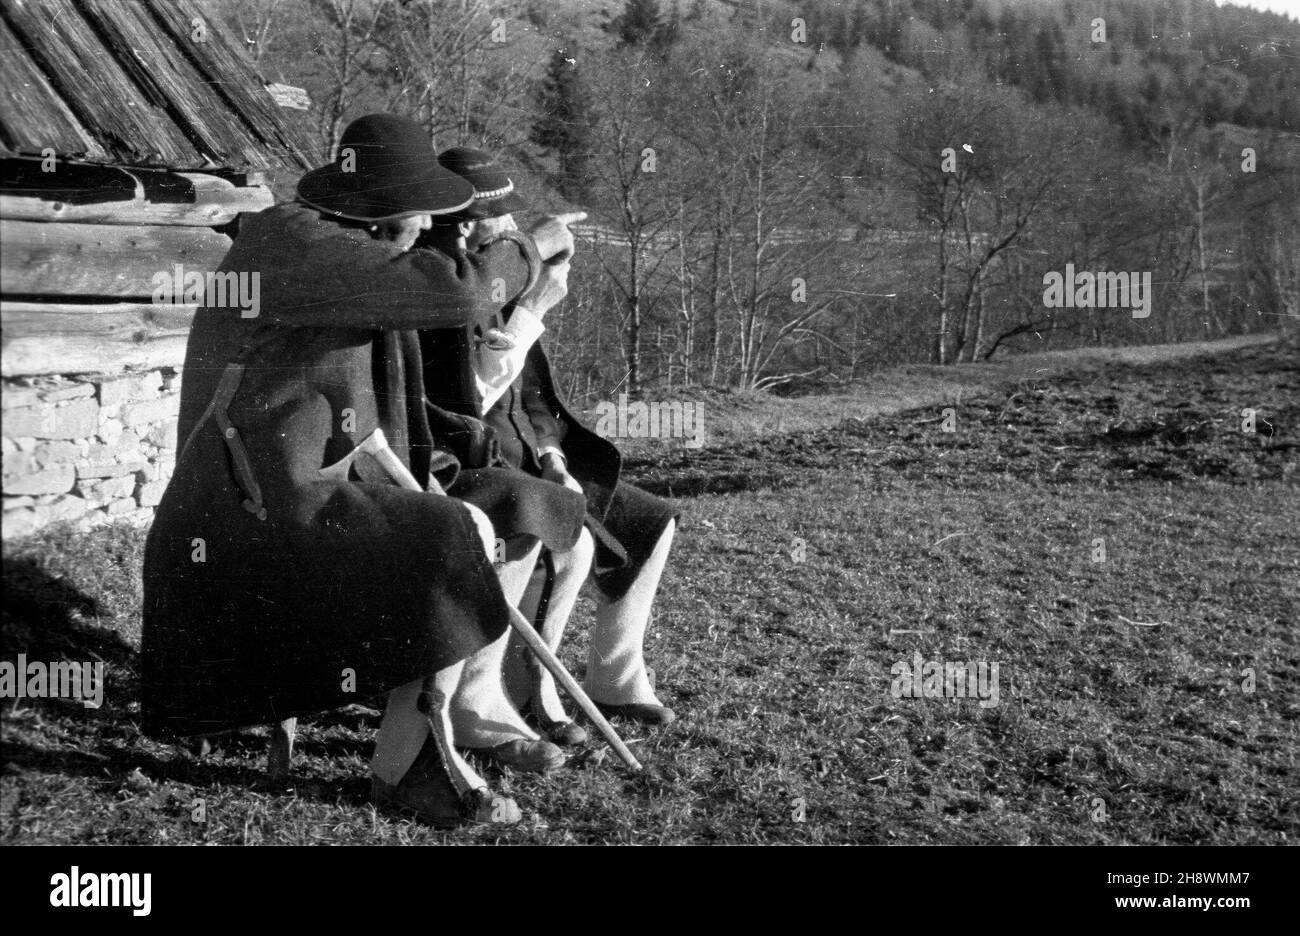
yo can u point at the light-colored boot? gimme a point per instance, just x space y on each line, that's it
527 680
617 679
482 715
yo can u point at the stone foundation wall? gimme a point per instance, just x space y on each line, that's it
87 448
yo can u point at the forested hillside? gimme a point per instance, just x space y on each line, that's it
1154 60
792 192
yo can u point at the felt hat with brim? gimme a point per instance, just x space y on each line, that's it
386 168
494 192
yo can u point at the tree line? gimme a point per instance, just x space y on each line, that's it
792 193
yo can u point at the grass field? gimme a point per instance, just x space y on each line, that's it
1147 695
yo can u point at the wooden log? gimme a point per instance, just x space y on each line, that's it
78 182
216 202
71 338
56 259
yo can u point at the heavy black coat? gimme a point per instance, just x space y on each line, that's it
518 505
345 589
625 521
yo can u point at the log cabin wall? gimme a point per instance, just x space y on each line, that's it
132 137
90 362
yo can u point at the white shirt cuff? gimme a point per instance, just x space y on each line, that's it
495 371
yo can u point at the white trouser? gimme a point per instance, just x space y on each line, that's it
482 716
404 729
524 677
616 671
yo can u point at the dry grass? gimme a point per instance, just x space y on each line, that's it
971 545
737 416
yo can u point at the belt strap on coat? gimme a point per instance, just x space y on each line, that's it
221 401
217 409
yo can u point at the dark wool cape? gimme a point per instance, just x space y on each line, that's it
341 591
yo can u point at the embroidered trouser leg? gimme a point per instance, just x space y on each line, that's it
404 729
482 715
616 672
524 678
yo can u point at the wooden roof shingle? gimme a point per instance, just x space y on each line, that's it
135 83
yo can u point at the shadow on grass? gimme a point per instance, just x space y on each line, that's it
161 763
48 618
45 618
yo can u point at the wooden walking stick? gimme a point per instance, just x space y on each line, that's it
376 446
551 662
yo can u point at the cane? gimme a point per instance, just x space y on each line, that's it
376 445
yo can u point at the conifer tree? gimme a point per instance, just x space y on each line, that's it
564 127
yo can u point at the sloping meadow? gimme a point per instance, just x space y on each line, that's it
1063 612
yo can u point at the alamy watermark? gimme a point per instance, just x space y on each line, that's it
641 420
228 290
1101 290
932 679
86 889
61 680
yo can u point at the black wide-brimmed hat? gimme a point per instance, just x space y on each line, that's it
385 168
494 193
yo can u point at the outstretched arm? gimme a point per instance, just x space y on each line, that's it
315 273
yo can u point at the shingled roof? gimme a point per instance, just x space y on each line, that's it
138 84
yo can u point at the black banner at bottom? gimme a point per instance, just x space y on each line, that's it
334 886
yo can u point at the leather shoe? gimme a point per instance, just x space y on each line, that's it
426 793
529 756
641 712
564 733
482 805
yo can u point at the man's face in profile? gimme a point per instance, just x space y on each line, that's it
479 232
403 231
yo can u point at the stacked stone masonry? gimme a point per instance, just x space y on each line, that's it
87 449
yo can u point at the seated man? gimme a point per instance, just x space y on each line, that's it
632 529
526 513
271 591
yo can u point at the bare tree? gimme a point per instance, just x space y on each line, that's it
256 22
988 171
454 66
350 52
763 266
633 180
